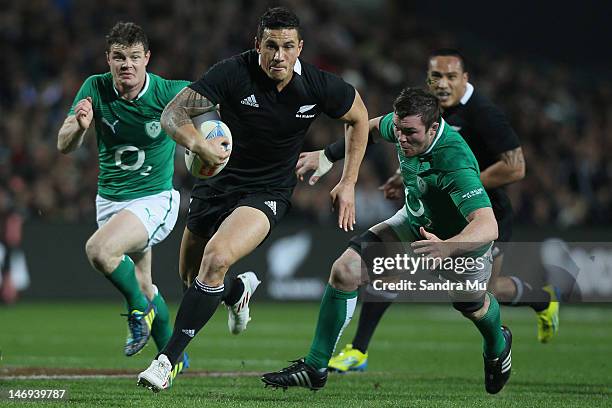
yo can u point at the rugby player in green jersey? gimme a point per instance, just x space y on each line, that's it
447 214
136 205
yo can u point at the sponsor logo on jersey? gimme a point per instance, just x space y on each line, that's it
272 205
456 128
111 126
250 101
153 129
303 109
473 193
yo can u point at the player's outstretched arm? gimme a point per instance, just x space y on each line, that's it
176 120
508 169
71 134
356 137
322 161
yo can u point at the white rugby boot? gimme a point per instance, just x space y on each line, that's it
157 376
238 314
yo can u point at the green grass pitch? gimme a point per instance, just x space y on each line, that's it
421 356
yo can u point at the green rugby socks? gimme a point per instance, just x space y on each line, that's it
162 329
335 313
490 328
124 279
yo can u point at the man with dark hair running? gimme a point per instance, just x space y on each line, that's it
268 98
447 214
500 158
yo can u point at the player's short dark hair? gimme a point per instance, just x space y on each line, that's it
417 101
278 18
127 34
449 52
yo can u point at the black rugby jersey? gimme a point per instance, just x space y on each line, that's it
488 133
267 126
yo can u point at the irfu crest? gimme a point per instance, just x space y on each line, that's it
153 129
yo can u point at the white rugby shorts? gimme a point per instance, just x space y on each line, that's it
158 213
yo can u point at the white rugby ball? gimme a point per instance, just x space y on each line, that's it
209 130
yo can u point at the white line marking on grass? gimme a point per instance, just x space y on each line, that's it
92 376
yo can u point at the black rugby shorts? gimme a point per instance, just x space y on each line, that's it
206 214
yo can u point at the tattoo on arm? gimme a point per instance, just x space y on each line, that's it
185 105
513 158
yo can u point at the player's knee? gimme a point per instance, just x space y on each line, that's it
97 254
473 310
469 309
344 276
215 264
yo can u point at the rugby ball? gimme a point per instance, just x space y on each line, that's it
209 130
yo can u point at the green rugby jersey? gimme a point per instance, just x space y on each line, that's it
442 184
135 155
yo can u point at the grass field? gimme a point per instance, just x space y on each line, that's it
423 355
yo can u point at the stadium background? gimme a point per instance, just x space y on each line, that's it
543 64
548 74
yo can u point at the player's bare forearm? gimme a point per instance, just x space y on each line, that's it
70 135
356 136
509 169
176 119
481 229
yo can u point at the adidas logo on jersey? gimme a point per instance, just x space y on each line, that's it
272 205
303 109
250 101
189 332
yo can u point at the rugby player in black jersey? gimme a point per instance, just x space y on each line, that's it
268 98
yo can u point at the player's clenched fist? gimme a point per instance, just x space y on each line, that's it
309 161
84 112
213 152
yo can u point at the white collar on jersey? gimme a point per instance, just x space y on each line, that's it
144 88
297 68
440 130
469 90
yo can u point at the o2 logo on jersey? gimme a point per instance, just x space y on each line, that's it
129 152
153 129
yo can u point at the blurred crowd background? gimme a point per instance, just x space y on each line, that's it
50 46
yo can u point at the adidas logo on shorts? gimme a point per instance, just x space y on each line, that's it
272 205
250 101
189 332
